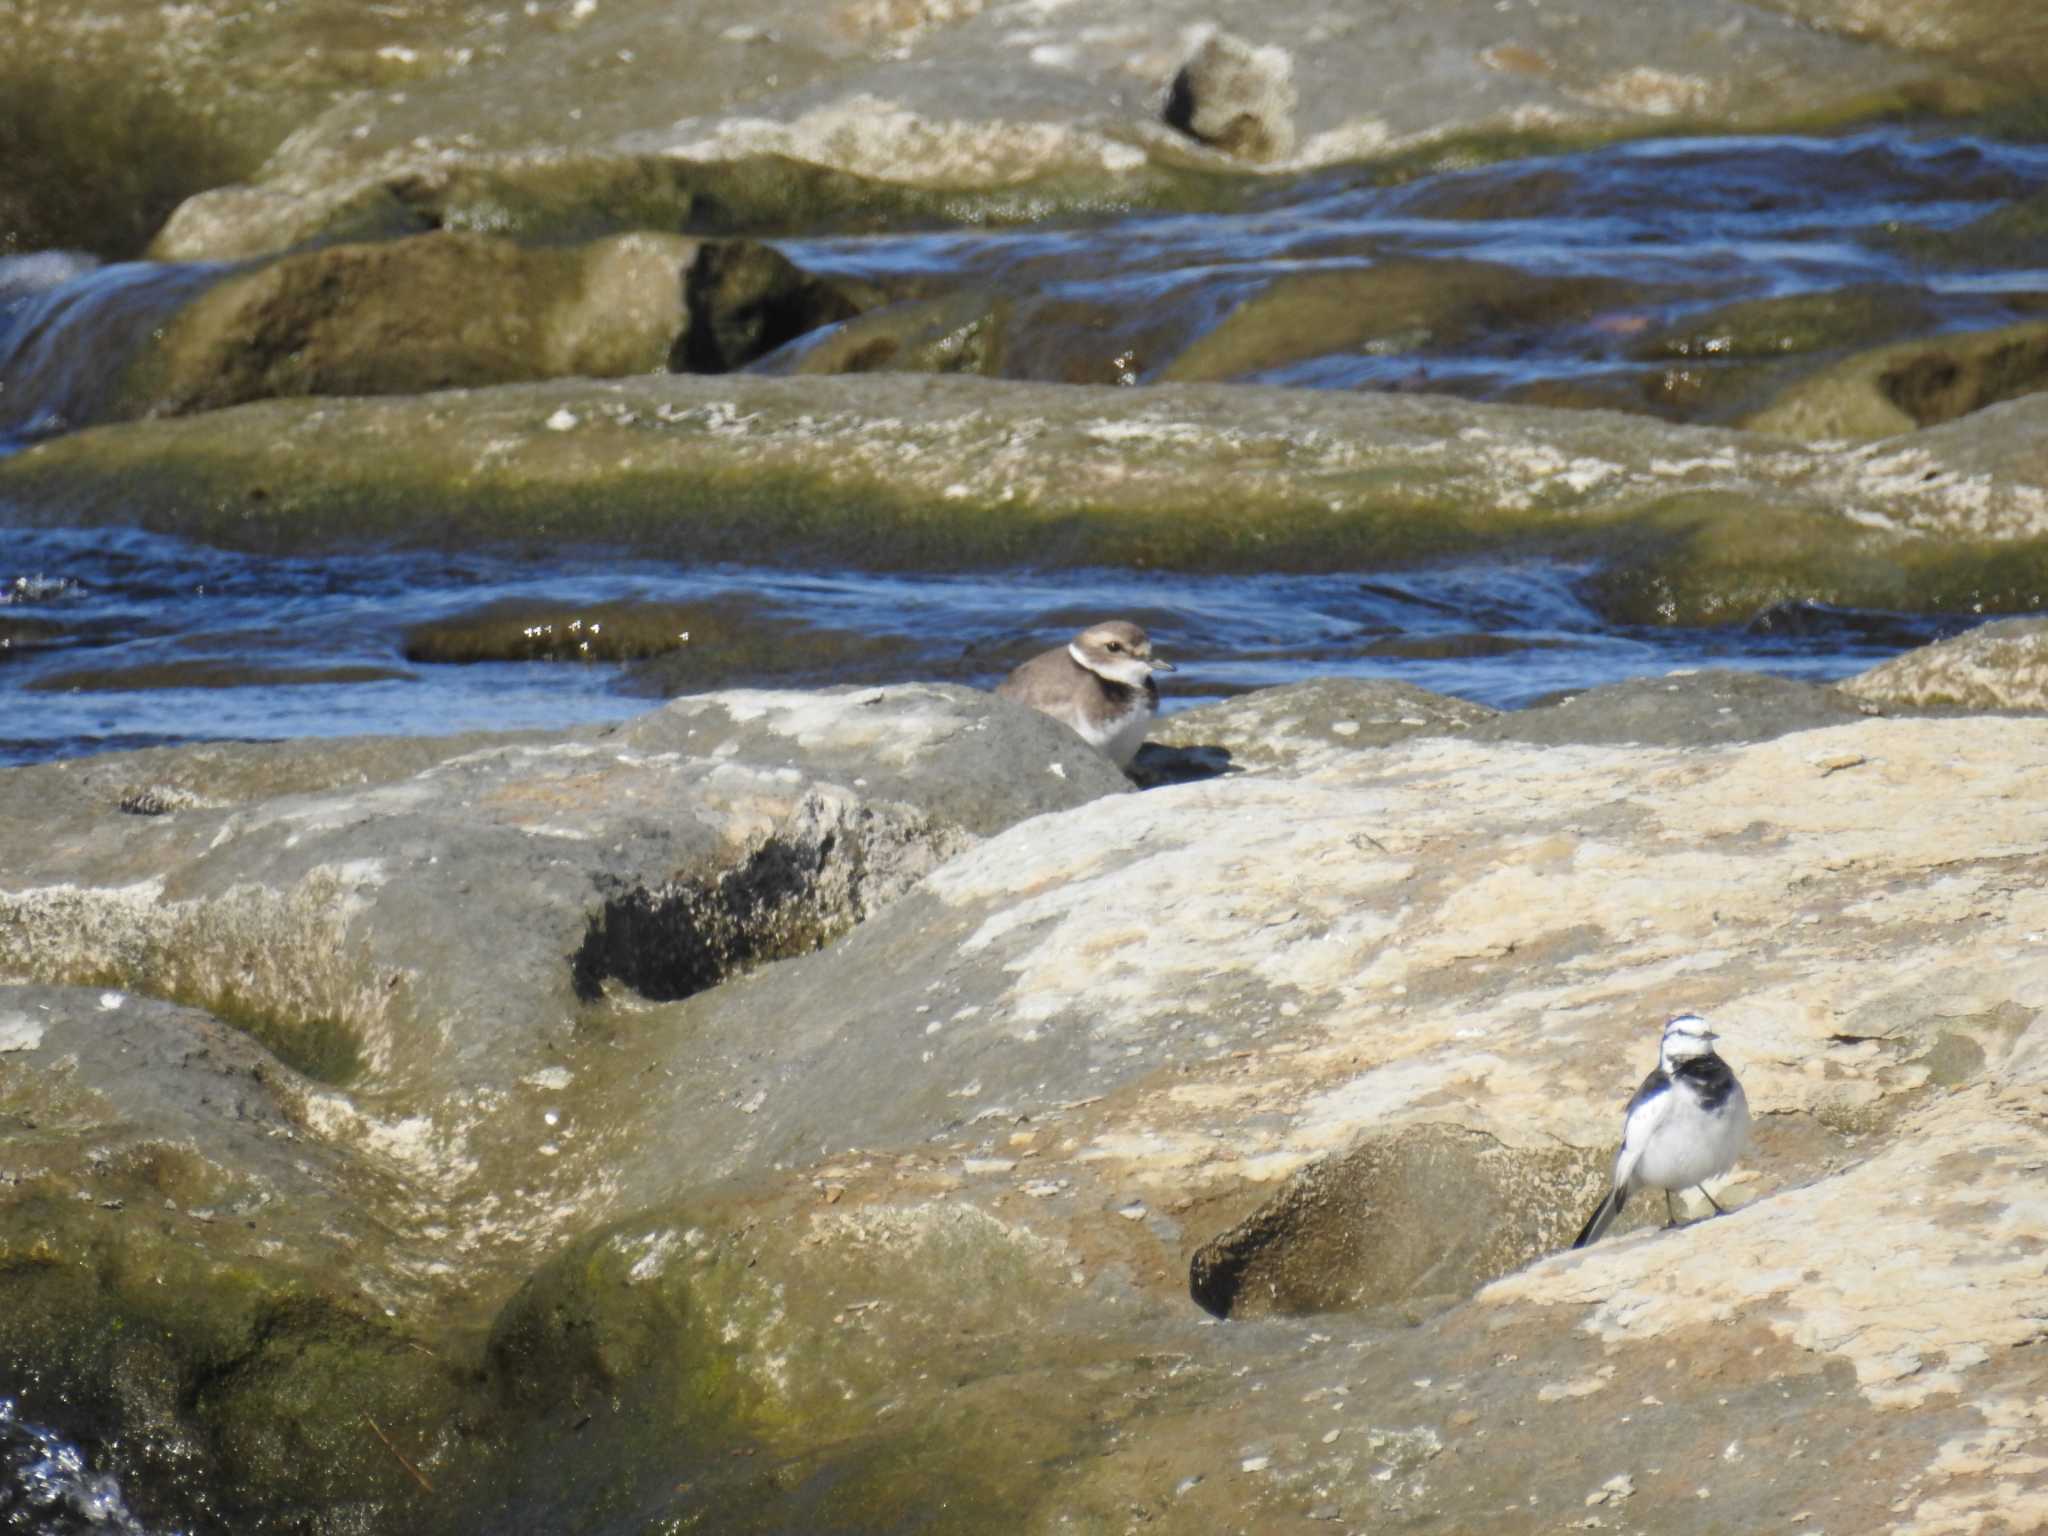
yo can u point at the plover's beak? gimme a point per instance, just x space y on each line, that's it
1161 666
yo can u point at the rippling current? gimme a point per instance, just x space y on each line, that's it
49 1487
113 639
310 647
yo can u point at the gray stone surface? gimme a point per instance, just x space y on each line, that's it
1996 666
1680 709
1297 728
430 928
1338 1045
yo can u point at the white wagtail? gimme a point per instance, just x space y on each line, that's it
1687 1123
1099 683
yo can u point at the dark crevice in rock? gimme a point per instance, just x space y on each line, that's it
1941 386
744 301
830 865
1430 1212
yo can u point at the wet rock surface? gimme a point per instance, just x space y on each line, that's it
1298 728
1911 384
894 471
452 310
970 97
1334 1047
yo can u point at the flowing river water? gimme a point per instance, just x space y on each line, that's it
112 638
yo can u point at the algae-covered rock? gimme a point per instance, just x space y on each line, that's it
676 647
888 471
1911 384
963 332
1392 308
211 1283
364 112
451 310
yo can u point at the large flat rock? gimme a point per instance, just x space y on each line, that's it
1690 525
1339 1046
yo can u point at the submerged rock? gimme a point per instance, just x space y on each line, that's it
1911 384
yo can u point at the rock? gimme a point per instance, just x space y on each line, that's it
449 310
1910 384
730 641
359 930
746 300
1692 525
425 313
1679 709
961 332
1858 316
1234 96
1997 666
1727 364
1341 1051
207 1274
1392 308
330 116
1994 36
1297 729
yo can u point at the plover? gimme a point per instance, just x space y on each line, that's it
1687 1123
1099 683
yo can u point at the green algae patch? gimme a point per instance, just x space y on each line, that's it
97 159
219 1383
899 471
850 1363
557 199
712 481
1711 559
1910 384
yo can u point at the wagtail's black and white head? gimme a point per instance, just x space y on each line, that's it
1099 683
1688 1123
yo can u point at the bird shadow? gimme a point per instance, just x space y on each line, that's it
1157 765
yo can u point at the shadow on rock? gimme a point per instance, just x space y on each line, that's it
832 863
1412 1222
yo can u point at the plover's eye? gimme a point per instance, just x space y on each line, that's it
1116 645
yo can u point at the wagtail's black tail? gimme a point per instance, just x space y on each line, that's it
1602 1217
